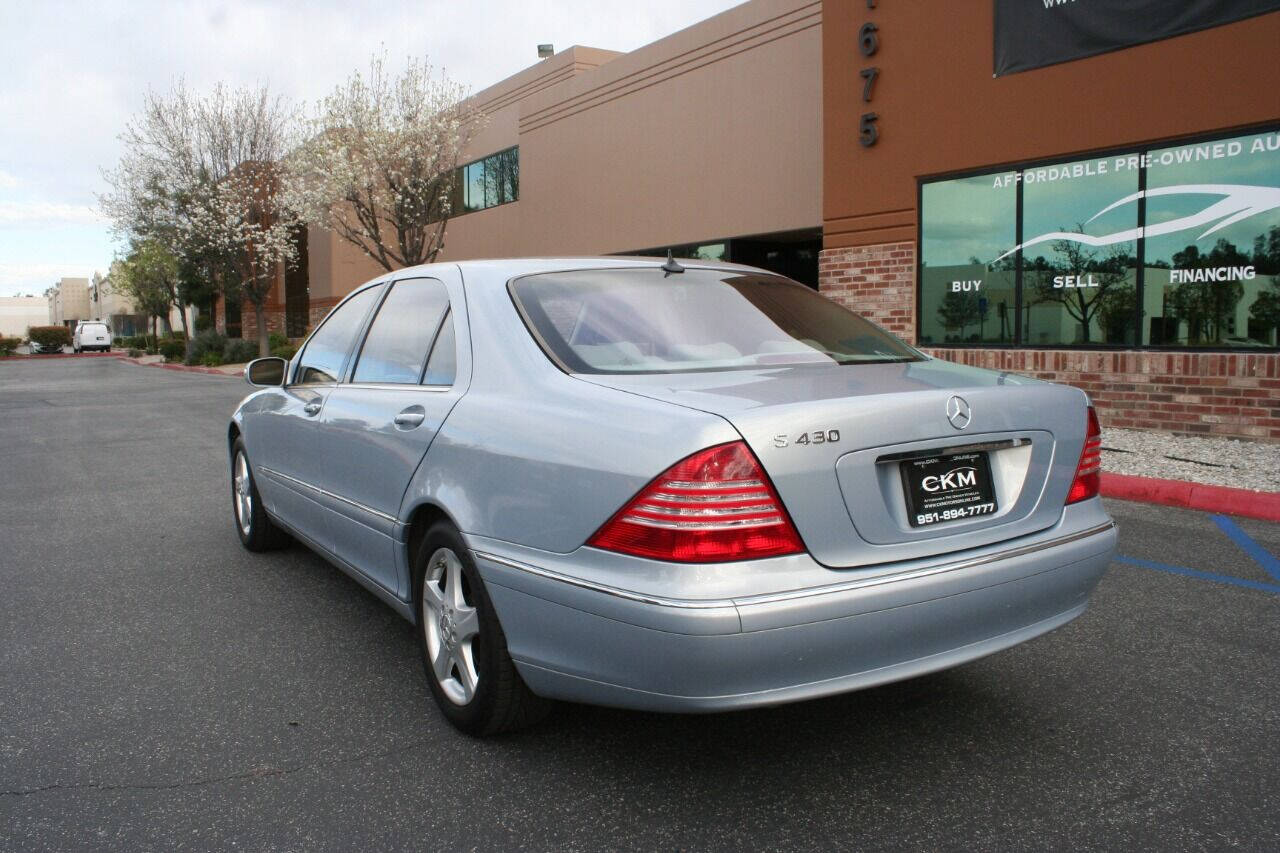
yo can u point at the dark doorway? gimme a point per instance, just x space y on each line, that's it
790 253
794 255
231 308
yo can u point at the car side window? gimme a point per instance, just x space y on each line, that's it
322 359
442 367
396 346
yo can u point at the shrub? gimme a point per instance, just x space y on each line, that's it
237 351
134 352
285 351
173 349
275 339
8 345
206 342
52 336
204 323
211 359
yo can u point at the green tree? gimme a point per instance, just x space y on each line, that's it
959 310
1109 274
147 275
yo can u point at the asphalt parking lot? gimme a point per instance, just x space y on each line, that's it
161 688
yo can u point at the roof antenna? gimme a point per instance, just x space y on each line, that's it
671 266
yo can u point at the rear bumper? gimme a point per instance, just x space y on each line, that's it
609 646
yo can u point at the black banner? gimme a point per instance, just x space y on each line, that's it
1035 33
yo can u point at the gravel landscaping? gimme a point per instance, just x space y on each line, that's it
1212 461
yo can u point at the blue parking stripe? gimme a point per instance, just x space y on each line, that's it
1260 555
1199 575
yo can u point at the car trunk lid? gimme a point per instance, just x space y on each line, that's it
837 440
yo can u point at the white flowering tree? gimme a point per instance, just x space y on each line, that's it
377 163
202 175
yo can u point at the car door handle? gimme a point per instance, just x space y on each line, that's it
411 417
312 408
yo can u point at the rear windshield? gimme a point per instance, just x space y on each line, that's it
642 320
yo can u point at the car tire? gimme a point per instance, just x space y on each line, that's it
464 650
256 529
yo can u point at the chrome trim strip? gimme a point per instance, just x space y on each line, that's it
950 450
272 472
793 595
398 386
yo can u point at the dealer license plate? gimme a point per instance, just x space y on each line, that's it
948 488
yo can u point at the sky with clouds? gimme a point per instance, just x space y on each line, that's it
71 75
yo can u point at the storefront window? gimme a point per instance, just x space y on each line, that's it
1079 253
966 294
1207 231
1213 244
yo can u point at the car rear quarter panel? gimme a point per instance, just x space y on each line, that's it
536 457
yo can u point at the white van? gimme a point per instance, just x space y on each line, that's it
92 335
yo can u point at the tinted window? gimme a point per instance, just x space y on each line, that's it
644 321
398 340
443 366
1079 280
1214 285
325 352
1207 228
966 294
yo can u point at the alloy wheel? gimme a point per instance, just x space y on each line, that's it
242 485
450 626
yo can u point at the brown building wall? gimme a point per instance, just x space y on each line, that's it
941 111
712 132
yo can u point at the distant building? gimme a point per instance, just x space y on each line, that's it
115 308
69 302
19 313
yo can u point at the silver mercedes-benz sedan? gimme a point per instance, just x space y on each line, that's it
679 487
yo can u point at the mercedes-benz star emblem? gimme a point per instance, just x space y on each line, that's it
958 412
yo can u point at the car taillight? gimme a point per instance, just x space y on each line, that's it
713 506
1089 470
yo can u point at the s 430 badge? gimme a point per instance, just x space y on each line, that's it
821 436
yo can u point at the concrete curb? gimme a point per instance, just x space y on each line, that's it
1244 502
49 356
212 371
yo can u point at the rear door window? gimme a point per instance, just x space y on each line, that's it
327 350
395 350
442 368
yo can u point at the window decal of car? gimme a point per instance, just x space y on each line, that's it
1240 202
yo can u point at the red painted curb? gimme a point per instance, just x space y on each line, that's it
1245 502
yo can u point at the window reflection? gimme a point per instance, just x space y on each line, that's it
1080 276
488 182
1209 236
1213 283
966 294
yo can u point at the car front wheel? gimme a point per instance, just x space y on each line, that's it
464 650
256 529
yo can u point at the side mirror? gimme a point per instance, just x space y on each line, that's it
265 372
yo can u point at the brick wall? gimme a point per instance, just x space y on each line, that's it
876 281
1191 393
